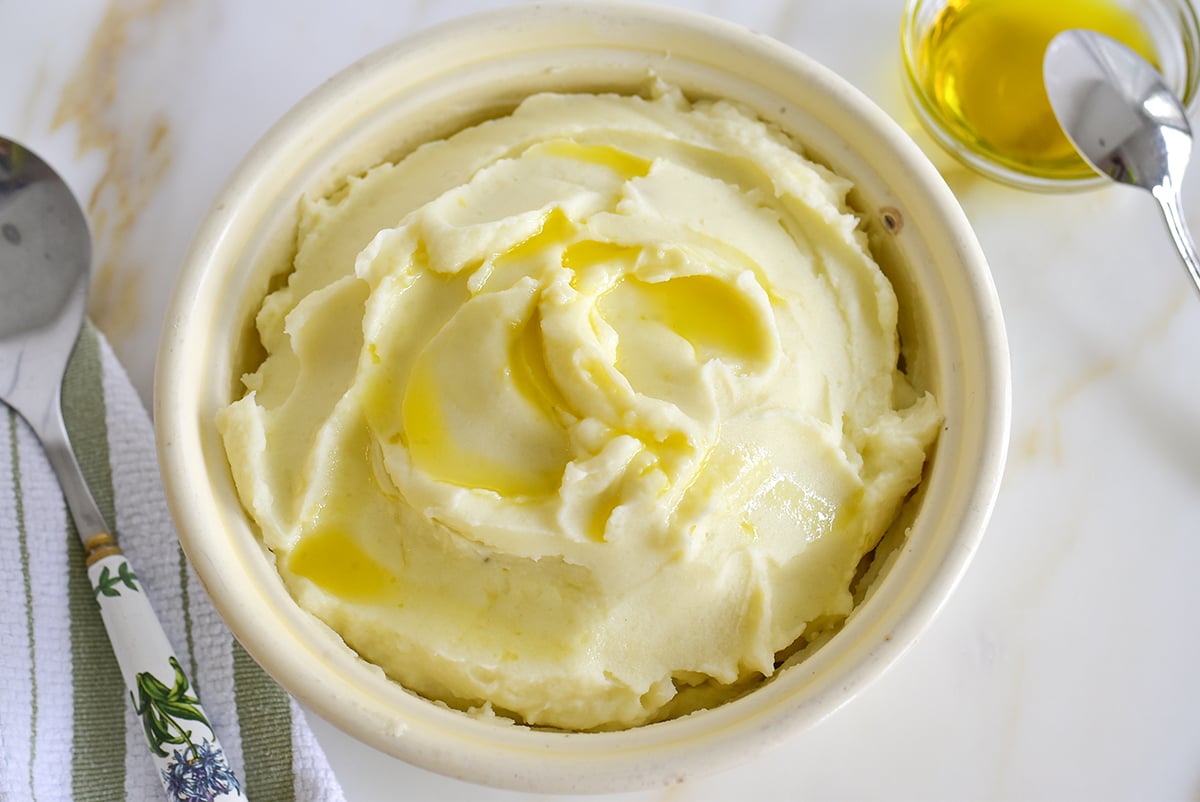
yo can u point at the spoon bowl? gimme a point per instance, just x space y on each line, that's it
45 254
1124 120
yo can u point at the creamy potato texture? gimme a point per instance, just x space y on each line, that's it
581 412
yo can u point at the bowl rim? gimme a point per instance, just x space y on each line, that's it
634 759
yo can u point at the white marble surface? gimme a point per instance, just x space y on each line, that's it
1063 666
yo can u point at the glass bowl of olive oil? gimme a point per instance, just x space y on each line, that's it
974 76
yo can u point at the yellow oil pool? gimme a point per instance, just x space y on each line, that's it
980 63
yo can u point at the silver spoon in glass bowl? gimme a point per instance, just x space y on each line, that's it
45 257
1124 120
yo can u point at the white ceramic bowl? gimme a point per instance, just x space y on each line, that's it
436 82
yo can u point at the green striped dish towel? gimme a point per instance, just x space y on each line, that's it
67 730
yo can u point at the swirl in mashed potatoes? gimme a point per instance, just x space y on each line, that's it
580 409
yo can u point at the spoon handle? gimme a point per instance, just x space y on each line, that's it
187 754
178 733
1169 202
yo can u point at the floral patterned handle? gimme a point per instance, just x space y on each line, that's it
190 761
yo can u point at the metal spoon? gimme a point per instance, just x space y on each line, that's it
1124 120
45 254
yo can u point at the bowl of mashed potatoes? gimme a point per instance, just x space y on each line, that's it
581 397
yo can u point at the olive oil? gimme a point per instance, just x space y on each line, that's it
981 66
332 560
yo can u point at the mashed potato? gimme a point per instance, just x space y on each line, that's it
580 409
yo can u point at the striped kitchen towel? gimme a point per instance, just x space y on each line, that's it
67 730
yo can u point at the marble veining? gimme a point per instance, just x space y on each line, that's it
134 142
1063 667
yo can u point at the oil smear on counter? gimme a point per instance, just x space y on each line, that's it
980 62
